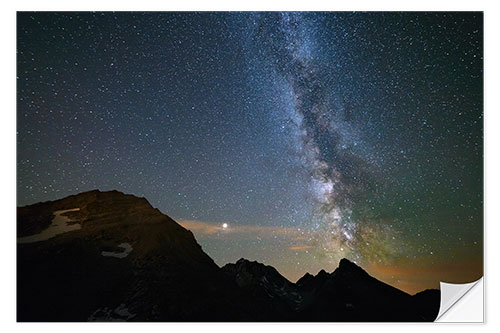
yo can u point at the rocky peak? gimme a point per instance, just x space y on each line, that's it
110 218
248 273
266 283
348 268
126 254
305 279
322 274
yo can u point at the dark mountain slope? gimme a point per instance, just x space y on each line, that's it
351 294
111 256
166 276
265 283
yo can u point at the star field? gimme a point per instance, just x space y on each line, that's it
314 136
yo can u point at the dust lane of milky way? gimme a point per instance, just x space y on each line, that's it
313 136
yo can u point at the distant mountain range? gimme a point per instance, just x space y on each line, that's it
109 256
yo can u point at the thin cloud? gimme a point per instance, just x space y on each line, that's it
210 228
200 227
300 248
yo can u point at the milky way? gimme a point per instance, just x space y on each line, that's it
326 143
310 136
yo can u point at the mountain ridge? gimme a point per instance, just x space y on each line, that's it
164 275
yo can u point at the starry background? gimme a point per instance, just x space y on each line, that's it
314 136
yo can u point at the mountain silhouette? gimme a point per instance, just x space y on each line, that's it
265 284
350 294
109 256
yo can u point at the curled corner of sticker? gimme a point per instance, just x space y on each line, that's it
462 303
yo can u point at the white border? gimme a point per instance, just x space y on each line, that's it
8 128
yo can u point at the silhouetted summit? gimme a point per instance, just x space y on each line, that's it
265 283
346 265
128 261
106 256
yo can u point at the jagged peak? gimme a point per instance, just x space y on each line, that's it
349 267
245 264
305 278
322 273
344 262
243 261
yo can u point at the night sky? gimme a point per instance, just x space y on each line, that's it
313 136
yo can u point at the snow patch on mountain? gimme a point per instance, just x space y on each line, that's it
120 255
60 224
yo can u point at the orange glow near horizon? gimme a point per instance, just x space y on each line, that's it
413 276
